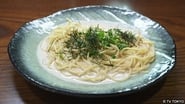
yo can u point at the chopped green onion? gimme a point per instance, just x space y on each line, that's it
94 39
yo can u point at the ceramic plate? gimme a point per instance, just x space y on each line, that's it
23 50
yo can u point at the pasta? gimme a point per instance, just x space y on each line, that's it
106 59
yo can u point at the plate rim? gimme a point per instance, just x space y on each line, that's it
70 92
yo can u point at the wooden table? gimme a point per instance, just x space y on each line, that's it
16 90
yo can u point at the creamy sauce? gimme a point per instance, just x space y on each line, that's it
42 54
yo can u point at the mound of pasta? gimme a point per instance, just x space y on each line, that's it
95 54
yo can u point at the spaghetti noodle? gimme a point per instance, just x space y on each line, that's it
93 54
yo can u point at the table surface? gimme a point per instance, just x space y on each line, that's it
14 89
